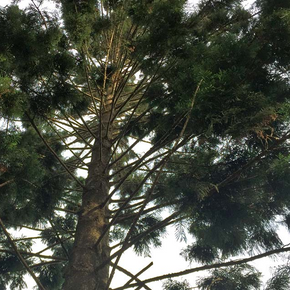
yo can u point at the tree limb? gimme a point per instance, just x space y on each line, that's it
19 256
208 267
135 277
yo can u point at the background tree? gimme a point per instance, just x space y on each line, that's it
207 92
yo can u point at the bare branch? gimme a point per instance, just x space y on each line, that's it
23 253
6 182
208 267
135 277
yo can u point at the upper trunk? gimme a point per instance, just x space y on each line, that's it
87 254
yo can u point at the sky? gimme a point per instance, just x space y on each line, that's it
167 259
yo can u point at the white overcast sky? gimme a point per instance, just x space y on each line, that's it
167 258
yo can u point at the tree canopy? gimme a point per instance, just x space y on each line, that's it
115 112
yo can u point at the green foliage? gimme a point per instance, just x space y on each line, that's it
227 220
25 45
40 61
51 277
175 285
79 17
203 254
224 62
280 279
131 185
143 245
33 184
153 239
11 269
163 19
242 277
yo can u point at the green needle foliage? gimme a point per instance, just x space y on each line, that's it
280 279
122 117
174 285
240 277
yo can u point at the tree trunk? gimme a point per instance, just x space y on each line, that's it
86 257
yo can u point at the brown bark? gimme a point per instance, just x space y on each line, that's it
82 272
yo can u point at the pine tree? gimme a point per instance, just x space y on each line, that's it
205 95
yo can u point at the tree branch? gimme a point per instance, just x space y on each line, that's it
53 152
135 277
208 267
34 255
18 254
6 182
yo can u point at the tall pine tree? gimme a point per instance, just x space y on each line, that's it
204 94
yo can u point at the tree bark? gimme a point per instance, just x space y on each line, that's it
86 256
